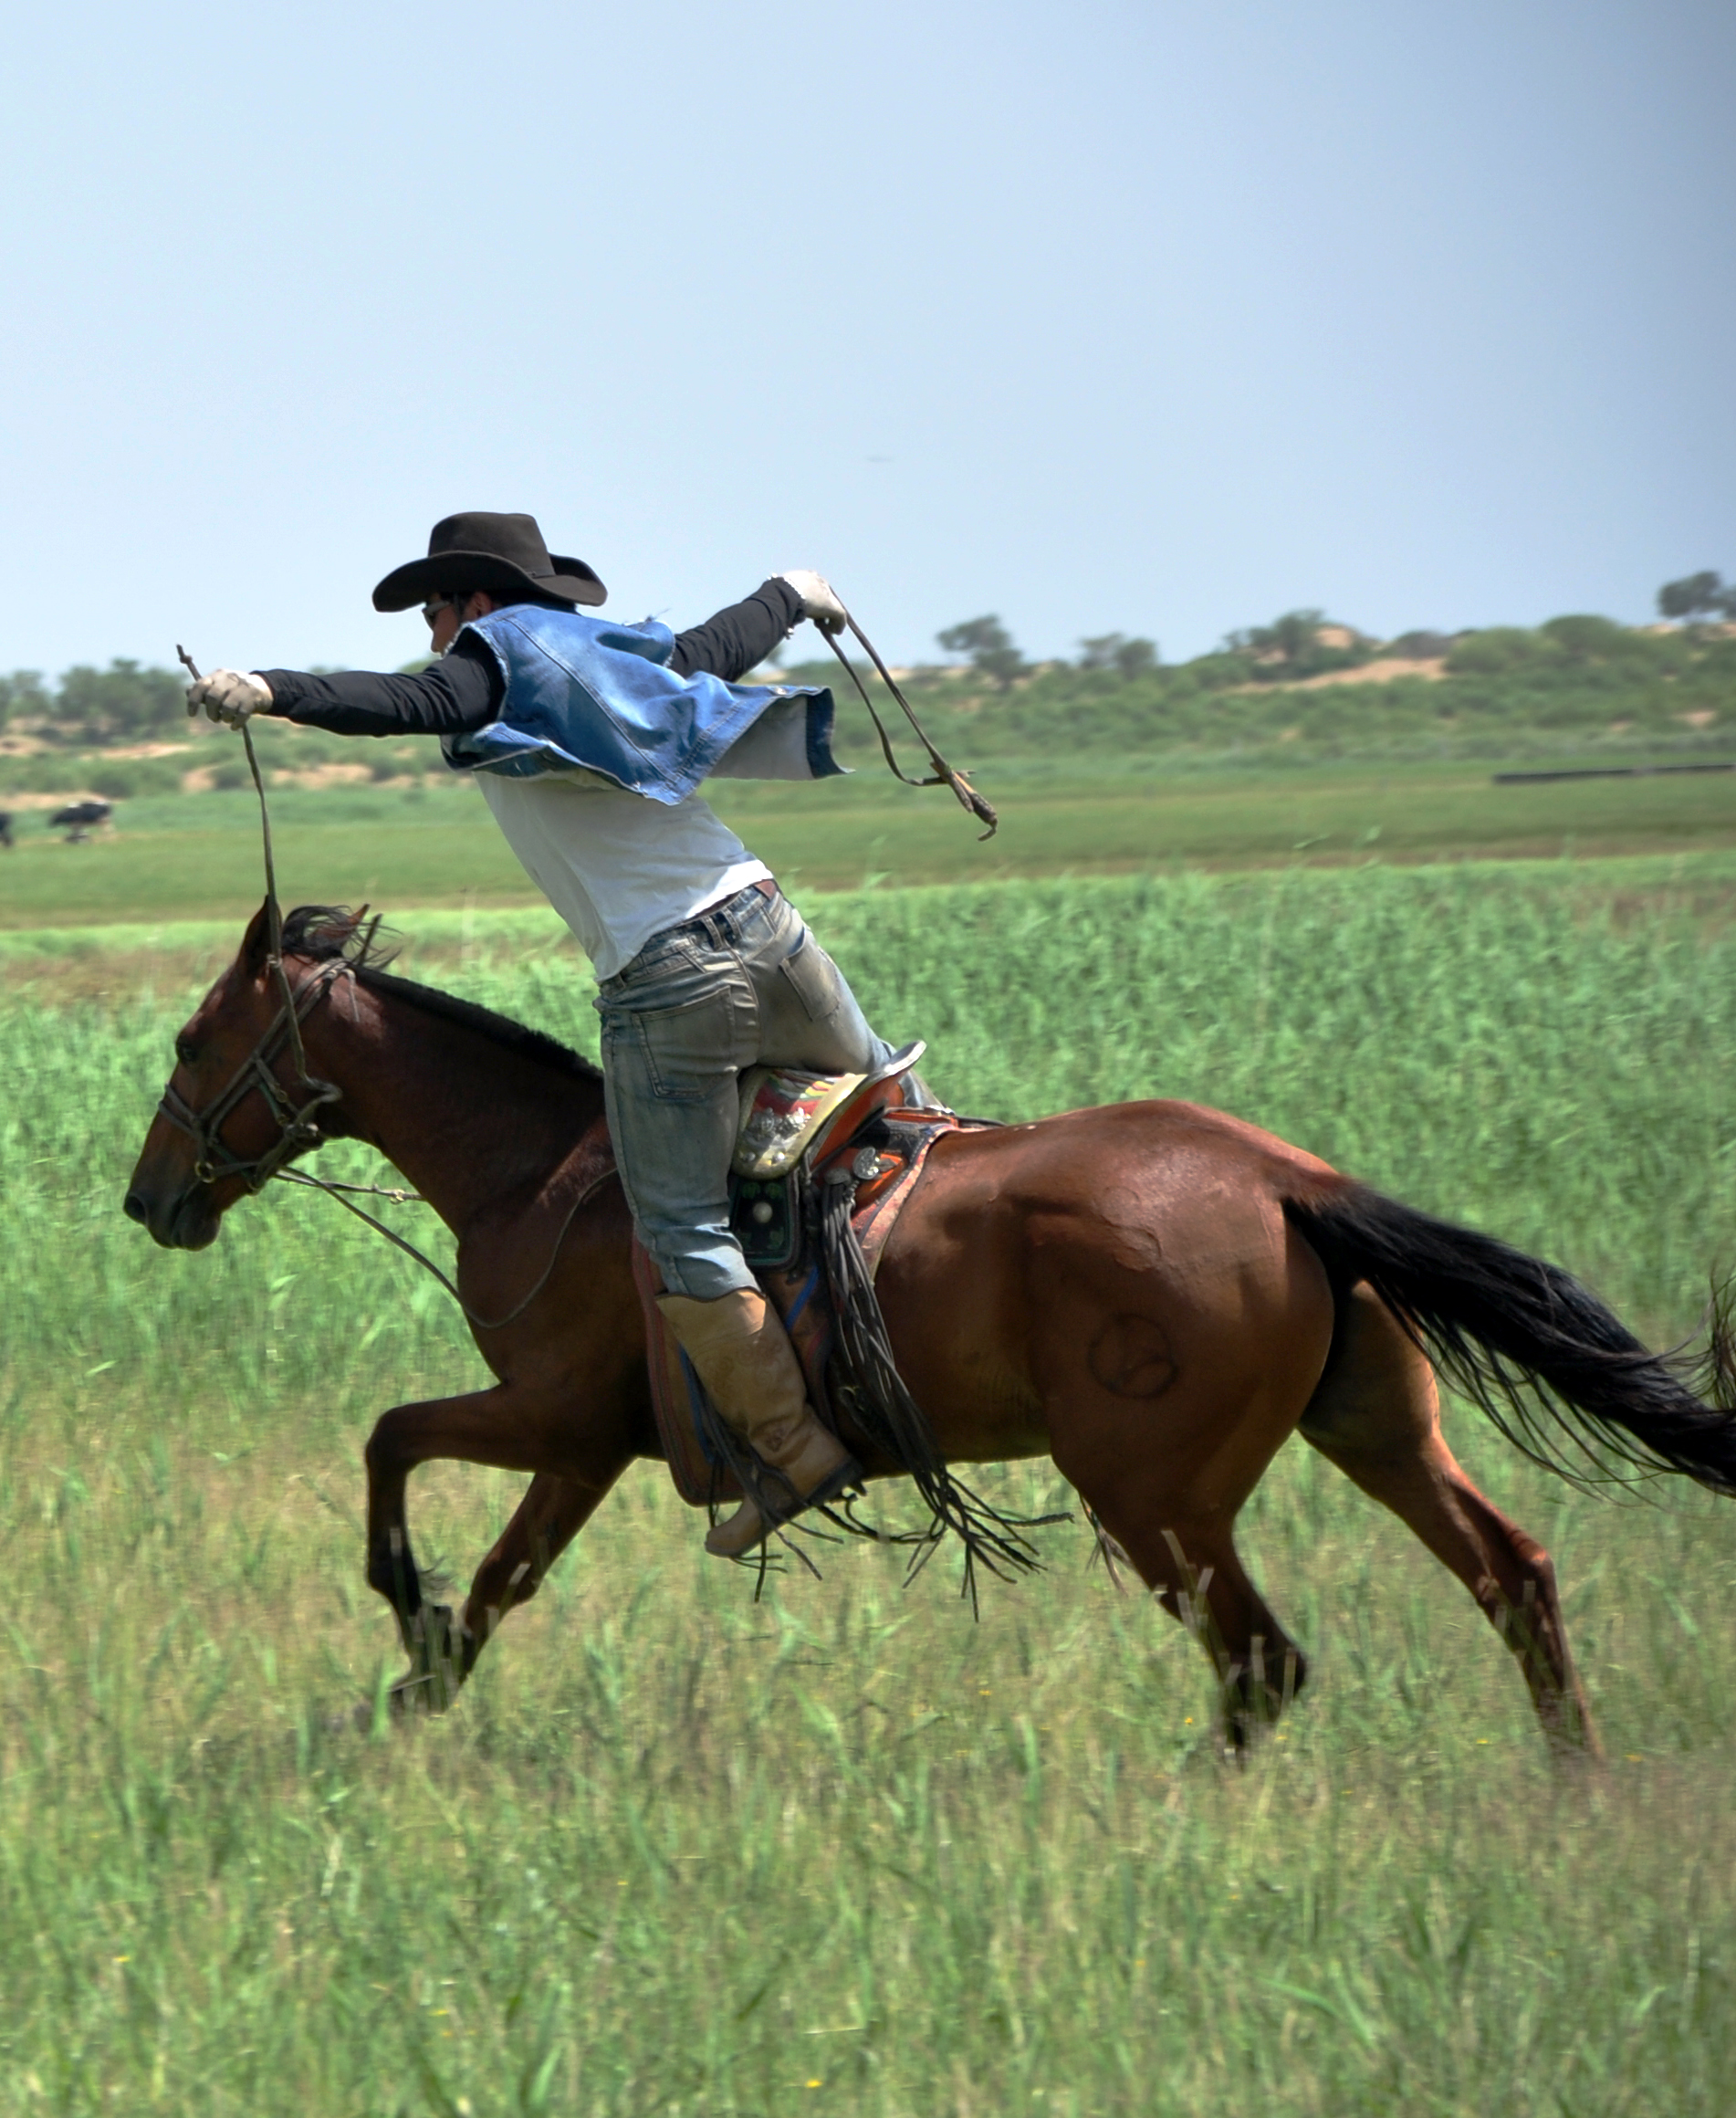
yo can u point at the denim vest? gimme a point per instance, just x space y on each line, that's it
584 692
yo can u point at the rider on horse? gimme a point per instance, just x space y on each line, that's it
589 740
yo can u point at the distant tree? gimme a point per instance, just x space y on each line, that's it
1291 636
1300 644
1129 658
122 702
1288 641
990 647
22 697
1697 595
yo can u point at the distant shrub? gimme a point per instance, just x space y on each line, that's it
117 782
1586 636
1298 644
125 779
38 775
1494 651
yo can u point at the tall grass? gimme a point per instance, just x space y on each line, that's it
679 1852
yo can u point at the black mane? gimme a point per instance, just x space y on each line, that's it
321 933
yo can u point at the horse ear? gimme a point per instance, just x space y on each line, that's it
255 943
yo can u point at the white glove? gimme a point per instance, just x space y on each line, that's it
818 598
229 696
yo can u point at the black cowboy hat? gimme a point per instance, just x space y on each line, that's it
504 554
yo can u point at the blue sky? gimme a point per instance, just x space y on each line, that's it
1159 318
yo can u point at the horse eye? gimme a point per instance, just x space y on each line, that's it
186 1051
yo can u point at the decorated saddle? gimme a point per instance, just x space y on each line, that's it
857 1141
823 1166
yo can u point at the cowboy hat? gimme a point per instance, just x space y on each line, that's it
504 554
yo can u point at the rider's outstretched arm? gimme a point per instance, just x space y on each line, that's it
463 690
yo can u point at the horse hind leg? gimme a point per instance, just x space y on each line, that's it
1376 1418
1195 1572
1166 1448
1185 1554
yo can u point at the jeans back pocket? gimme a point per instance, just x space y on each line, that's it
687 1050
812 977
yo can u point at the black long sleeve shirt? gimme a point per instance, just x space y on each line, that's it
463 690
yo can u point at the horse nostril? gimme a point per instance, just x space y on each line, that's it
135 1207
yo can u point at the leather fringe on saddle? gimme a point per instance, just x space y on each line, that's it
875 1395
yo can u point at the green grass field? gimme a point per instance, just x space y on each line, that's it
174 857
846 1850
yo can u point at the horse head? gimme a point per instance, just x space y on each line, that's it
239 1104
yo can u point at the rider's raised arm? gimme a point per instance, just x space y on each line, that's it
740 638
462 691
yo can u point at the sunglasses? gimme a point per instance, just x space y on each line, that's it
432 609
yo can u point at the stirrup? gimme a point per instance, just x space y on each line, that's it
723 1541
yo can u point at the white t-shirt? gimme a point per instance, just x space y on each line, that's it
618 868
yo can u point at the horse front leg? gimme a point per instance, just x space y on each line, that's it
509 1428
546 1521
401 1438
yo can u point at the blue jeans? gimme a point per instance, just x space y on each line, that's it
744 984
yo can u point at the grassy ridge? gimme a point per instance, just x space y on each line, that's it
190 856
1503 692
676 1853
1507 691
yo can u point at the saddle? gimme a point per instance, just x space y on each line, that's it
823 1165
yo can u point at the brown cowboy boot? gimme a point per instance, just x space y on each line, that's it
746 1361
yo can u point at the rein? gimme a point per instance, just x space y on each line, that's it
295 1109
943 774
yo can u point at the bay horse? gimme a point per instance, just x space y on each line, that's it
1153 1294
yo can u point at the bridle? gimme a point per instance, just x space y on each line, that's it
295 1107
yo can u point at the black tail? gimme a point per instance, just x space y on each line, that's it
1528 1344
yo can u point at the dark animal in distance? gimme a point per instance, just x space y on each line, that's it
1154 1294
5 827
80 818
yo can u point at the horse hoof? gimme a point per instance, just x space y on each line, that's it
439 1663
421 1694
356 1720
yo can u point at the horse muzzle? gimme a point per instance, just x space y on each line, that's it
189 1221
